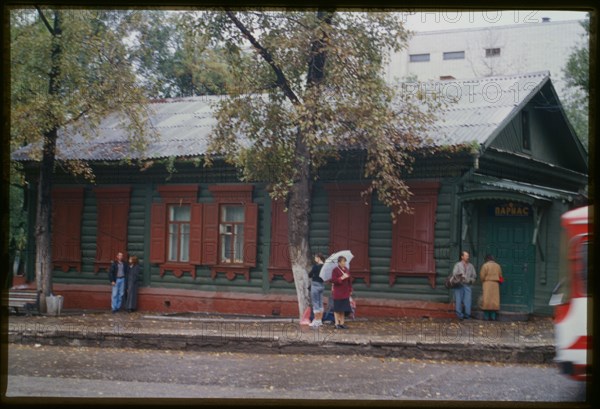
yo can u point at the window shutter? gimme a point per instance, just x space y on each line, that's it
196 234
339 229
66 227
251 234
112 209
413 236
210 234
158 233
358 235
413 240
280 252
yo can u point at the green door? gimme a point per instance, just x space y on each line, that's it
508 239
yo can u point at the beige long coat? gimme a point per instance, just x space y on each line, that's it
490 274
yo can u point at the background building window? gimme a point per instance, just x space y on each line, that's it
179 233
454 55
419 57
492 52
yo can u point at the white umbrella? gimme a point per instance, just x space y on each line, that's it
332 262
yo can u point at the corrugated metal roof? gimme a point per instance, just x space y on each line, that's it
475 111
538 192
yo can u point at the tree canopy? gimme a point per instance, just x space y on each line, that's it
577 78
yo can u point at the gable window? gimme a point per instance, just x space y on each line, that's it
232 234
419 57
176 230
492 52
179 233
454 55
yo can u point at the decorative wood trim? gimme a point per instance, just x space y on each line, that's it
178 269
232 194
178 193
286 274
365 275
230 271
429 275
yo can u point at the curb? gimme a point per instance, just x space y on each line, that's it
319 345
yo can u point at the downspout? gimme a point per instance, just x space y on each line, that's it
460 231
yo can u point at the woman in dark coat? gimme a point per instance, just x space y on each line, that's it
341 291
133 278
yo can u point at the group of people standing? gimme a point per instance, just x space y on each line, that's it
341 290
491 278
124 278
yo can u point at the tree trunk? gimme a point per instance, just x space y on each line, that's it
43 256
300 197
299 204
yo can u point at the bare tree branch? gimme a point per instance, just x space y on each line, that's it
46 23
282 81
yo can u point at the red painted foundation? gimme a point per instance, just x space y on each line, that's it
167 300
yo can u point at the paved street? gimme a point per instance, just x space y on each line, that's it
41 370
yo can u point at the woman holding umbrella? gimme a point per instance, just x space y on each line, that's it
341 291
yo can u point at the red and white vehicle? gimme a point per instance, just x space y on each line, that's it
572 330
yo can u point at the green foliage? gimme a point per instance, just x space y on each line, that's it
17 234
174 62
351 108
577 77
95 78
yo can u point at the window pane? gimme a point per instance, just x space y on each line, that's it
492 52
239 244
226 248
172 242
179 213
184 250
419 57
454 55
232 214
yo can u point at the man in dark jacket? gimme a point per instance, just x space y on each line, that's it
117 273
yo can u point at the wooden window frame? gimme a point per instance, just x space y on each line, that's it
233 235
423 191
176 195
230 195
178 233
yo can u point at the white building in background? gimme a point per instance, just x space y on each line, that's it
484 52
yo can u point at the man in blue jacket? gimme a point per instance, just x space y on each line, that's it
117 273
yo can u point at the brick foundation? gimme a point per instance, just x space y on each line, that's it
167 300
